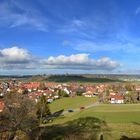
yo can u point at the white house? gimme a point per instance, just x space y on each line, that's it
116 99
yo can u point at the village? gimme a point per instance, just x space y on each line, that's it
108 93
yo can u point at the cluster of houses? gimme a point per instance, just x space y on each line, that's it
52 91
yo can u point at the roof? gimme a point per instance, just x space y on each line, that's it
92 89
117 97
112 93
137 86
31 85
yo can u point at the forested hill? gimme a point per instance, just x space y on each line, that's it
78 78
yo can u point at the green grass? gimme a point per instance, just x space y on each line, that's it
114 117
123 120
71 103
135 82
127 113
118 130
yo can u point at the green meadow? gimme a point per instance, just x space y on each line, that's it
123 120
71 103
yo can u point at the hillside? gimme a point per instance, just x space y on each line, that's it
79 78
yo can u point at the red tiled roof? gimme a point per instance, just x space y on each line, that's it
91 89
31 85
117 97
37 94
50 84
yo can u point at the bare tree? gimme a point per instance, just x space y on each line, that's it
18 115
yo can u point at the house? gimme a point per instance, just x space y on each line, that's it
137 88
88 94
138 92
48 92
116 99
112 93
67 91
91 89
31 86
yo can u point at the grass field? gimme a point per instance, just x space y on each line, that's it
135 82
123 120
127 113
71 103
114 113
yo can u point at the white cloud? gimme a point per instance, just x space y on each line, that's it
80 61
14 54
19 58
16 58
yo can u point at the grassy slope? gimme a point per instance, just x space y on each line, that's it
114 114
110 113
71 103
122 119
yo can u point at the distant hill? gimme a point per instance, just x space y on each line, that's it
79 78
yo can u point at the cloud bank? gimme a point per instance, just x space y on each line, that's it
20 58
80 61
15 58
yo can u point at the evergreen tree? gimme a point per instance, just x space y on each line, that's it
42 108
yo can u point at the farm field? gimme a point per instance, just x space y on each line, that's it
123 120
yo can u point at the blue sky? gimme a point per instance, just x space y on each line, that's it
77 36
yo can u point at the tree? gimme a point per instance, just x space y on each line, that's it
42 86
107 92
78 93
25 91
18 115
101 99
128 87
42 108
131 97
62 93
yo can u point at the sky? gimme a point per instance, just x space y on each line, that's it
69 36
